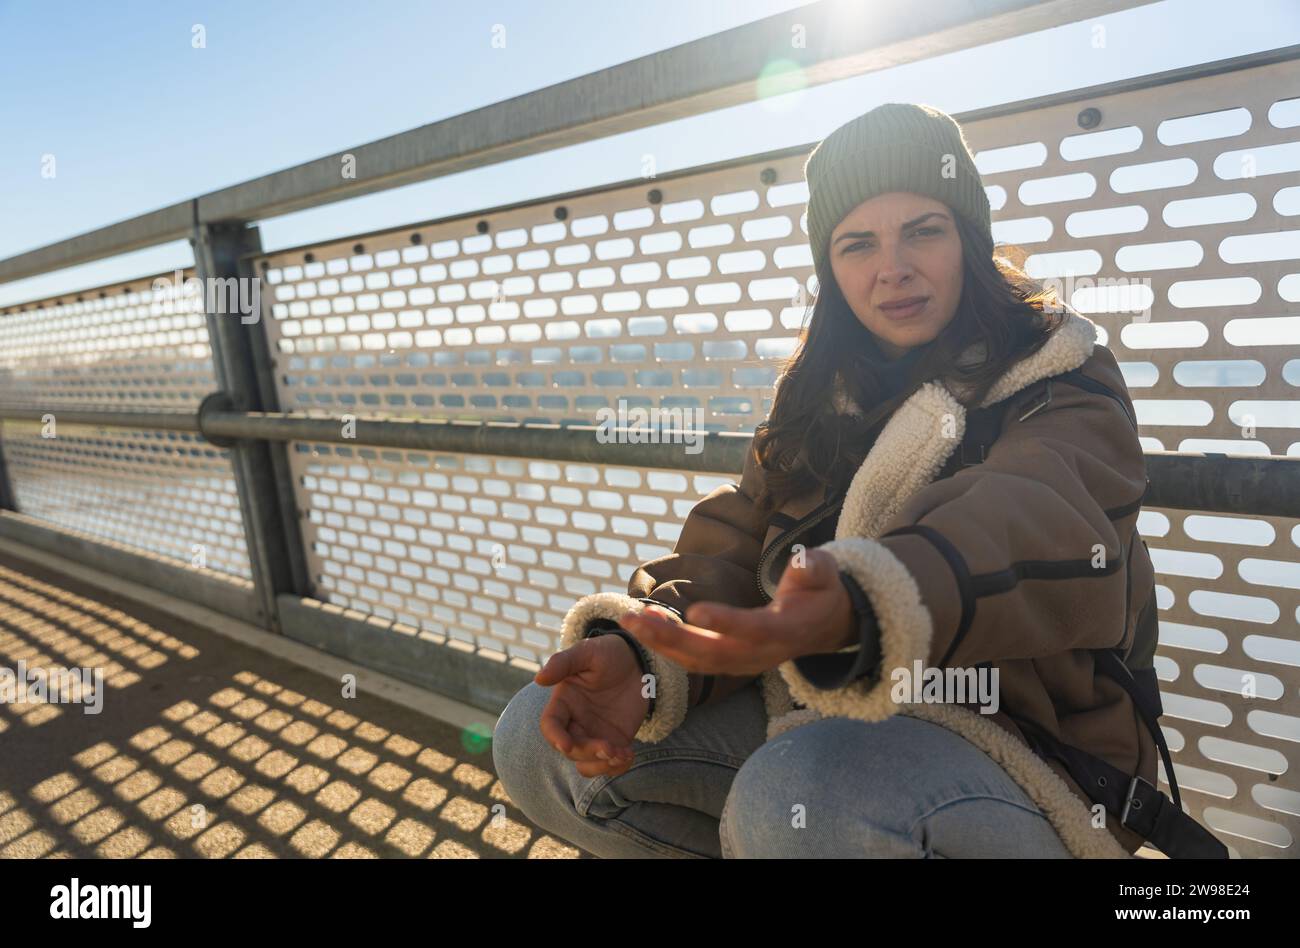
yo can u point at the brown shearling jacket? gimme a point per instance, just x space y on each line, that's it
1026 562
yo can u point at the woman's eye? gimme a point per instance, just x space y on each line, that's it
919 232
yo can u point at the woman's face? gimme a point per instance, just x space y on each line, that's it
895 247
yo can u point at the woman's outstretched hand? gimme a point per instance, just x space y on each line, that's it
596 705
811 613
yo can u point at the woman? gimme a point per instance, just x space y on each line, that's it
983 507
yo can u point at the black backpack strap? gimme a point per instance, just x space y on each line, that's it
984 425
1077 378
1109 663
1140 806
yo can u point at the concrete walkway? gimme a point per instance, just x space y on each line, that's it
206 747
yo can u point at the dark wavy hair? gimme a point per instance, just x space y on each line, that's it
804 443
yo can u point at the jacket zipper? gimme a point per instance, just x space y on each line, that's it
826 508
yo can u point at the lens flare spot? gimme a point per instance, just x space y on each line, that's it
778 78
476 738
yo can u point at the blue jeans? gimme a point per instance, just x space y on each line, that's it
717 788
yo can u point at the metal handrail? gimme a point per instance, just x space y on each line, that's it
704 75
1181 480
111 418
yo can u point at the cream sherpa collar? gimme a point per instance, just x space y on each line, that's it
929 425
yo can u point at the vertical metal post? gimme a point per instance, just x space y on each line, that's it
244 370
7 499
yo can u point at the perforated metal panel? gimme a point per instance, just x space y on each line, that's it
126 347
690 303
1229 668
490 551
1184 211
166 492
120 347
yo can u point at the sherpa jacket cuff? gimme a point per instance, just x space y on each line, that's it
904 625
671 683
830 670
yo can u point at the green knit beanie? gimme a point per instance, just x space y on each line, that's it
894 147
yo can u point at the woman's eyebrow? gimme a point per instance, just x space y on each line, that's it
906 224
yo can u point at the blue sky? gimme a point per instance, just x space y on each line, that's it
138 119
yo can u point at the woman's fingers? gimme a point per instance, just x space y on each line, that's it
729 621
554 725
668 631
557 725
567 735
694 648
589 752
557 668
587 746
584 738
591 746
579 749
661 611
600 768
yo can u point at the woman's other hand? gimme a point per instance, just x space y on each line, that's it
596 704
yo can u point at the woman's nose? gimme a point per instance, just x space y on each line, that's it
895 270
894 266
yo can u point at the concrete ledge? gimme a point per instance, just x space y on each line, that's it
229 595
455 670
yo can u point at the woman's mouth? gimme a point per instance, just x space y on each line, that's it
904 309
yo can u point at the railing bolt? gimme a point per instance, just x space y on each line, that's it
1090 118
